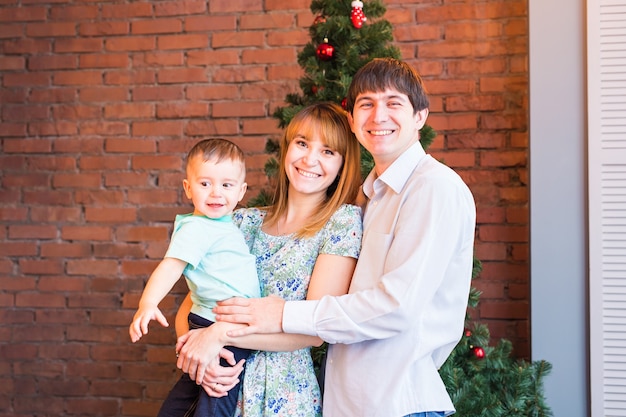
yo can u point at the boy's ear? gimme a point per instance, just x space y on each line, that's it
187 188
242 192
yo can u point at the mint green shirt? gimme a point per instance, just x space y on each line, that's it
219 263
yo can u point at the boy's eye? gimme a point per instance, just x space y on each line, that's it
204 184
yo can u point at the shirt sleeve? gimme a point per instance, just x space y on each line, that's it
423 281
190 241
344 231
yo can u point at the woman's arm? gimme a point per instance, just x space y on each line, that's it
181 323
331 276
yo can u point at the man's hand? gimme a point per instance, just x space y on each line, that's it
262 315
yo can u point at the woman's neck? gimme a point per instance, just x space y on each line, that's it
299 210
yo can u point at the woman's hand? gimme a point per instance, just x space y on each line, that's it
218 380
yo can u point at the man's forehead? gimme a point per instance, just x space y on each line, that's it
385 94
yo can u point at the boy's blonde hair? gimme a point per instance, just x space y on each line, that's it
217 150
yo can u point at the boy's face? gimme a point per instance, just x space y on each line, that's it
214 187
386 124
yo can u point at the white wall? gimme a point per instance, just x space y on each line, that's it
558 252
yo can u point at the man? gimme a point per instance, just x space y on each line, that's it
406 306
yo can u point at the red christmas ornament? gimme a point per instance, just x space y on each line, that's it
319 19
479 352
316 88
468 333
357 16
344 103
325 51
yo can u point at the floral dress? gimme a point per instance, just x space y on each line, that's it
284 383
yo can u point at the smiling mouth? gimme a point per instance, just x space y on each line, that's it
380 132
307 174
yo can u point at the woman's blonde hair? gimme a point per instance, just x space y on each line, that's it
328 120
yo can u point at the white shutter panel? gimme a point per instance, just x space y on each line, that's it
606 65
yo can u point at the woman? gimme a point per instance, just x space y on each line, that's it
306 245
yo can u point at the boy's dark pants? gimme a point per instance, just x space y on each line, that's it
189 399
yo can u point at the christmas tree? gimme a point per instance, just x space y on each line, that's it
482 380
485 380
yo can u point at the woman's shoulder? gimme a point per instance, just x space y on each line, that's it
347 211
249 216
347 216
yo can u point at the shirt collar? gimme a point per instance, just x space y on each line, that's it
224 219
398 172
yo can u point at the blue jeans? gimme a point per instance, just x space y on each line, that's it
189 399
427 414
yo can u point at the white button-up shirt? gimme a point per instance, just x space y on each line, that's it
406 307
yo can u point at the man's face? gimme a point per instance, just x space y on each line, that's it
386 125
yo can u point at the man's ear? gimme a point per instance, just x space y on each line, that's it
420 118
350 121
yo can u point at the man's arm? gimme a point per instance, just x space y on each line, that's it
392 294
331 276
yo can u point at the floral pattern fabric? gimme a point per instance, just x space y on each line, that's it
284 384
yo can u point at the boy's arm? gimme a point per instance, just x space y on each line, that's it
160 283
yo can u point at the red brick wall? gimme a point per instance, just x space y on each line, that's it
99 103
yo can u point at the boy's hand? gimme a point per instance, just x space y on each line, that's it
144 314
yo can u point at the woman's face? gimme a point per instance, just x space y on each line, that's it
310 164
